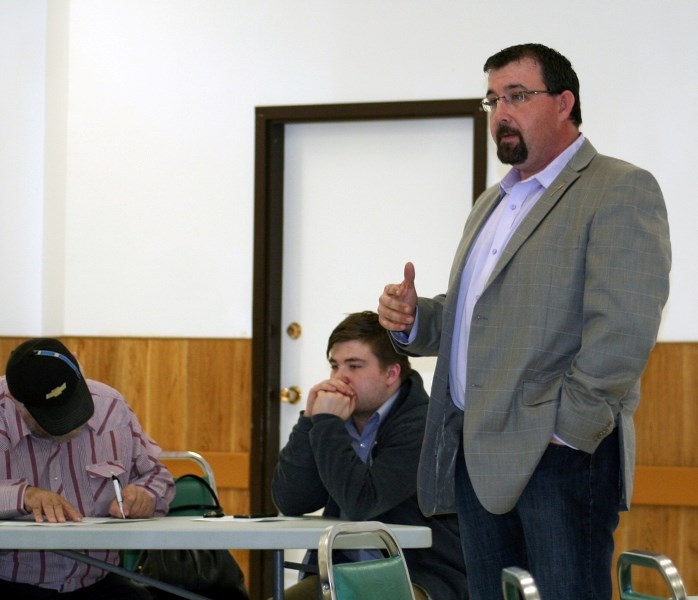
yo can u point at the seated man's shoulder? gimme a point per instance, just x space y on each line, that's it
109 403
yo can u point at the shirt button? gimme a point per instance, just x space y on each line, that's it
494 251
513 207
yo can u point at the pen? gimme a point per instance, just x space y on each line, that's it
117 491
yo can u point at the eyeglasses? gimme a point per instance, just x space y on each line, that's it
513 99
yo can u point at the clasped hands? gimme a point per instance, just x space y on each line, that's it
332 396
52 507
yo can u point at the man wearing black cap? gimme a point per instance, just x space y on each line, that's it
62 441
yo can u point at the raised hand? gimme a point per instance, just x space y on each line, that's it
397 304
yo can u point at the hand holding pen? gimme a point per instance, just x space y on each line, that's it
131 501
119 495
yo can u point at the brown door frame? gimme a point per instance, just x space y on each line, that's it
270 122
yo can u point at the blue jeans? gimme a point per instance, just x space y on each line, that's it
561 529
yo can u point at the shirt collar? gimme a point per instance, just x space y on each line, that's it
545 177
378 416
387 405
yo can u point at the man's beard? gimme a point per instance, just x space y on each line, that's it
508 153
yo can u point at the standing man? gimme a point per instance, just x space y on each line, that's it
355 450
62 439
553 306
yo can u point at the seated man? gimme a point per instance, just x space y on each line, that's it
62 438
355 450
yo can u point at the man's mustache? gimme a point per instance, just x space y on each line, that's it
503 130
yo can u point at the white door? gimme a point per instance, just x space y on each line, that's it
361 199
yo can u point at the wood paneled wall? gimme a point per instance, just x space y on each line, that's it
195 395
664 514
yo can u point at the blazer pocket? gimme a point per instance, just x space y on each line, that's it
541 392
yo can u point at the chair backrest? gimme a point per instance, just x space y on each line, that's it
192 457
194 495
659 562
375 579
518 583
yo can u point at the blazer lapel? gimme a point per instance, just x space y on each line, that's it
545 204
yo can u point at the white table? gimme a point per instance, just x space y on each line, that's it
188 532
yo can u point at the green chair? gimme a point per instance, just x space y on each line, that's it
193 457
376 579
659 562
518 584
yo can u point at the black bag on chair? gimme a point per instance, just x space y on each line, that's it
211 573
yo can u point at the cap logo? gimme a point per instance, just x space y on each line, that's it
55 392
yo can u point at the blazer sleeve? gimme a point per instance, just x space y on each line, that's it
428 335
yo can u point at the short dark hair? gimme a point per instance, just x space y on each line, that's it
364 327
558 74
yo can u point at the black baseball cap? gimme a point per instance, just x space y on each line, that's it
45 377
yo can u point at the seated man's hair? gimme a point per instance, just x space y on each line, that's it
364 327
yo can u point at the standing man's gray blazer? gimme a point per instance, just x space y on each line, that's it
560 335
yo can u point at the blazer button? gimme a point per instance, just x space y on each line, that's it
604 432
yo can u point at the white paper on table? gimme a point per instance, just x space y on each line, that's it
24 522
240 518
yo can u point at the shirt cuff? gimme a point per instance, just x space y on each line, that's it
402 338
563 442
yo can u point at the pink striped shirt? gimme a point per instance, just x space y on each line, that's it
80 470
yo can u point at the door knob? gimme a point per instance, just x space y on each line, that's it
290 394
294 330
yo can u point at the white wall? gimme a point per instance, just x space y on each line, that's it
147 126
22 67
